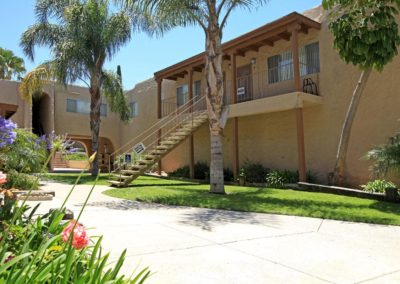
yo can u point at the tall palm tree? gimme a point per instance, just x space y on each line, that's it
11 66
211 16
82 35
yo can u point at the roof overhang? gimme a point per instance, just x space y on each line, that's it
266 35
8 110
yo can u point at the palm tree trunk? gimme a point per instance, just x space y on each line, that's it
214 96
338 177
95 103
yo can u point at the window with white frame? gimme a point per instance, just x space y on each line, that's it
309 59
134 109
83 107
182 95
280 67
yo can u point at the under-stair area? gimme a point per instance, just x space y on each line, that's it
146 150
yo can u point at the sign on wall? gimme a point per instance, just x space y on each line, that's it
139 148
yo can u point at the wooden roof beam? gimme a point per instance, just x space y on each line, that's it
197 68
267 42
284 35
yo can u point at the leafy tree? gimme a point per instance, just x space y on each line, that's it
11 66
365 35
82 35
211 16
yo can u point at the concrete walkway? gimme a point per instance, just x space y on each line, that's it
191 245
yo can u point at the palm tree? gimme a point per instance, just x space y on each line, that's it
211 16
85 34
11 66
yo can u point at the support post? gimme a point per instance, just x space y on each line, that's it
191 139
159 115
235 166
159 92
299 111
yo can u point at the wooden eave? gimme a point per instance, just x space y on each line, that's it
251 41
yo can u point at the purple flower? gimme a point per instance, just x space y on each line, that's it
7 133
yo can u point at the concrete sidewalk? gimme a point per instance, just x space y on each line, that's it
193 245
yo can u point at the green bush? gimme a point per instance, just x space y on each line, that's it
378 186
27 154
228 175
278 179
254 172
21 181
201 171
182 172
76 156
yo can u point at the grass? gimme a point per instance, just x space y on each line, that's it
252 199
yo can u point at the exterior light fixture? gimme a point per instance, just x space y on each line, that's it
253 61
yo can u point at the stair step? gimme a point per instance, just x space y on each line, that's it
162 147
145 162
130 172
121 177
168 142
116 183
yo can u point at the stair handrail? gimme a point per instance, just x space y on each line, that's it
162 120
190 105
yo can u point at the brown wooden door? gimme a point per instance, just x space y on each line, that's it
244 90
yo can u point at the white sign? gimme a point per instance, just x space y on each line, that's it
241 91
139 148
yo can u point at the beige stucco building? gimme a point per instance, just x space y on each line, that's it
286 95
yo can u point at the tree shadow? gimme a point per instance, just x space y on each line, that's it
127 205
209 219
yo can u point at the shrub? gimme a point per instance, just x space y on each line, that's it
27 154
378 186
77 156
277 178
254 172
201 171
228 175
21 181
182 172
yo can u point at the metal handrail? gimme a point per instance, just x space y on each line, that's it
168 123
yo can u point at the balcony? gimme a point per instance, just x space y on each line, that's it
255 95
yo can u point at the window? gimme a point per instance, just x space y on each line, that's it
182 95
309 59
83 107
134 109
280 67
197 89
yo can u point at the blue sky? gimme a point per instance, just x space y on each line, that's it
144 55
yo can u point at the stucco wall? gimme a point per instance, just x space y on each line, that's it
271 138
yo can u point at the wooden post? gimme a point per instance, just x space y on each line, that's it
191 140
159 92
159 115
299 111
235 166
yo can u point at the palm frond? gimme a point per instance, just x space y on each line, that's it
34 81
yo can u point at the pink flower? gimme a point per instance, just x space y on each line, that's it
79 239
3 178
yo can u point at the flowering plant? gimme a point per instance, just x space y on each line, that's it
7 133
79 237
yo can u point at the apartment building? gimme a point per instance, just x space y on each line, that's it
286 94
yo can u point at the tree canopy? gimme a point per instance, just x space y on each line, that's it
365 31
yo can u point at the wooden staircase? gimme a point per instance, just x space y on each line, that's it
158 141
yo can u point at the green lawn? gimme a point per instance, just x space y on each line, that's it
266 200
